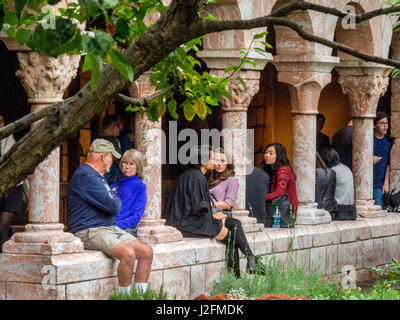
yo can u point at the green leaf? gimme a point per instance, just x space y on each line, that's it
260 35
200 108
92 63
99 45
122 28
19 6
122 64
152 111
242 82
266 44
188 110
22 35
109 4
172 109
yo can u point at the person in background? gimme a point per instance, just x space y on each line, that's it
222 182
110 132
325 187
128 140
344 191
322 139
189 210
10 204
132 191
257 182
381 158
342 142
91 209
277 166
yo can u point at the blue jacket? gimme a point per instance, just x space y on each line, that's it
132 192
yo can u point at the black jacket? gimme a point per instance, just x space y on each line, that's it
189 207
257 184
325 186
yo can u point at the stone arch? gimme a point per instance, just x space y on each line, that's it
359 37
288 42
233 10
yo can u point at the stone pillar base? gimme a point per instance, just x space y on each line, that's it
368 209
309 214
90 275
155 231
43 239
249 224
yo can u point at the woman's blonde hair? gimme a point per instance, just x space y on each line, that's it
135 156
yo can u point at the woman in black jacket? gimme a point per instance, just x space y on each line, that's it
189 210
325 185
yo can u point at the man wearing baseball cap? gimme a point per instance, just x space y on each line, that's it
91 209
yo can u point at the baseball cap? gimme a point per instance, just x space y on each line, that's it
102 145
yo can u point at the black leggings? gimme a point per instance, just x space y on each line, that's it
6 219
234 240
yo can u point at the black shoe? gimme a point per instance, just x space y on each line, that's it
254 265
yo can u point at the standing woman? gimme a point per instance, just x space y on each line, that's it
222 182
132 191
11 203
277 165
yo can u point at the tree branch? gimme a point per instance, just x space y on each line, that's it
144 101
216 26
304 5
27 120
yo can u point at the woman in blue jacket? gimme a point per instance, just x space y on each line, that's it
132 191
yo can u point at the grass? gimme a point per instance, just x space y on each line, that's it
291 280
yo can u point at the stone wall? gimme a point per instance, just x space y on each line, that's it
188 268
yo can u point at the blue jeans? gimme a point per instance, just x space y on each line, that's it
377 196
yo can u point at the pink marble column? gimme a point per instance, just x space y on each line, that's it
306 77
148 137
45 80
395 121
363 83
235 136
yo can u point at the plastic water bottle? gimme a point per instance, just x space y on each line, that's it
276 218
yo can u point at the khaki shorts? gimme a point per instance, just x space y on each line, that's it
104 238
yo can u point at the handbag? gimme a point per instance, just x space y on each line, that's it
215 210
285 209
345 212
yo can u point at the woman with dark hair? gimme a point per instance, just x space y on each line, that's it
283 180
325 185
222 182
10 204
344 191
189 210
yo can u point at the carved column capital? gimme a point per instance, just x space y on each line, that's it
46 78
240 97
364 83
364 93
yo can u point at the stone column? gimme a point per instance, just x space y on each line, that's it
306 77
395 121
363 83
148 137
234 118
45 80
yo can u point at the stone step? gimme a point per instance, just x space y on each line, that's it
256 227
372 214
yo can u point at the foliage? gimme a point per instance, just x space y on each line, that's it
134 295
112 25
291 280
